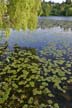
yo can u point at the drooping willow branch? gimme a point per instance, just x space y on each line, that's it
19 14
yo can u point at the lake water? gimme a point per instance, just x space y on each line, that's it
49 28
36 66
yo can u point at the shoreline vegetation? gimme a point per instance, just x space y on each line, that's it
56 9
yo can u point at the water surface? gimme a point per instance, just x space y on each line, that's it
38 70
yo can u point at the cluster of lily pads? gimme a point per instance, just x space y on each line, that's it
31 81
59 55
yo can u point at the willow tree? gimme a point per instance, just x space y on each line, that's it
19 14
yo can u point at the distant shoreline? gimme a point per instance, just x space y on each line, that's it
63 18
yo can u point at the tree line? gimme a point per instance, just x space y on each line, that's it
56 9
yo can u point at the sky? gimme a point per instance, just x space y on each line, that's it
57 1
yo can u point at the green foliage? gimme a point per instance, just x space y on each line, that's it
56 105
69 11
3 10
46 9
19 14
56 9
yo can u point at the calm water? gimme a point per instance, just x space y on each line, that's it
57 18
49 29
52 40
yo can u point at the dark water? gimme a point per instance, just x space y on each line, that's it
51 41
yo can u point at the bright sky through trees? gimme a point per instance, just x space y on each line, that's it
60 1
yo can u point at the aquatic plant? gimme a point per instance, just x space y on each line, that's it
30 81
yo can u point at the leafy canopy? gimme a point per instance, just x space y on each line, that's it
19 14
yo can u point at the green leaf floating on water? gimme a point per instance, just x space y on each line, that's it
37 92
30 101
61 74
56 105
25 106
46 91
50 102
32 84
42 106
15 85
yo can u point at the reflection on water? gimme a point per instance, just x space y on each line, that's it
38 73
48 30
64 23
